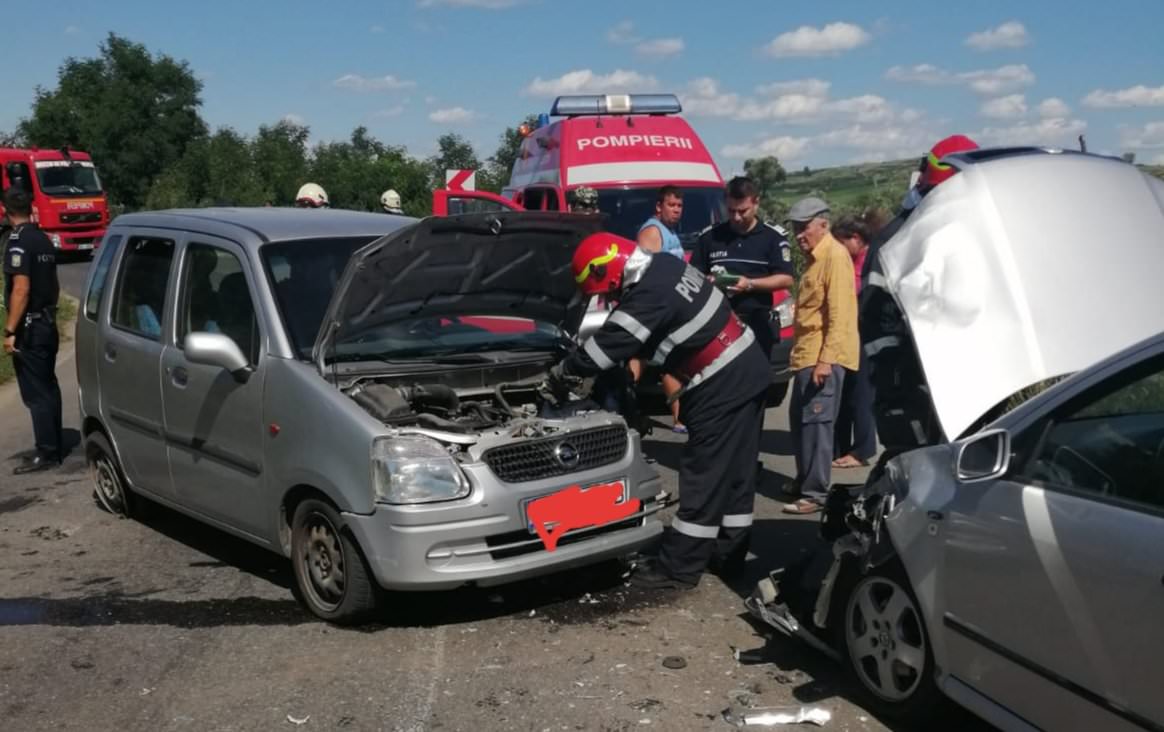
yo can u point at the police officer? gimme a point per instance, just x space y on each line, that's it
583 199
758 253
30 331
669 313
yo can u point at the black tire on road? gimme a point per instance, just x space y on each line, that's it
331 573
884 644
109 485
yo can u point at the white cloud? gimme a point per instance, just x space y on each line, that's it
430 100
585 81
830 40
787 107
910 116
785 148
377 29
988 82
1013 106
1136 96
1058 131
866 108
704 98
660 47
807 87
1053 107
72 30
294 119
452 115
355 82
1150 135
622 34
1011 34
485 4
872 138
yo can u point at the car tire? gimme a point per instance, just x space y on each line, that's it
109 485
331 574
883 642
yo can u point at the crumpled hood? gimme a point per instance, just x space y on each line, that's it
502 264
1025 267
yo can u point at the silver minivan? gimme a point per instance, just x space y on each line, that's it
362 393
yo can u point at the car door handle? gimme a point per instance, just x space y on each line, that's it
179 376
110 352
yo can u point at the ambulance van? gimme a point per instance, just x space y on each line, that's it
625 147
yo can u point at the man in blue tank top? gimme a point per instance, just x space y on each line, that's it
658 235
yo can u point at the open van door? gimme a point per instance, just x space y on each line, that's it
447 202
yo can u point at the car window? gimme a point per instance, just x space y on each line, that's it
459 206
1108 442
141 289
217 299
100 275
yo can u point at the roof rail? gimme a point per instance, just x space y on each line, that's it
962 160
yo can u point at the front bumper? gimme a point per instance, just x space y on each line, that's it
76 240
488 543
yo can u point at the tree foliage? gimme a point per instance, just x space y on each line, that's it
135 113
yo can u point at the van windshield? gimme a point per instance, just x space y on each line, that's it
60 178
628 208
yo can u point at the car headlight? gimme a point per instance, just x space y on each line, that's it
415 470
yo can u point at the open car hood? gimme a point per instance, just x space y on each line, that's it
1024 266
512 264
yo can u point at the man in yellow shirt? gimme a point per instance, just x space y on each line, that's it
826 345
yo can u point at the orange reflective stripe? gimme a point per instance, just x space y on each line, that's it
597 262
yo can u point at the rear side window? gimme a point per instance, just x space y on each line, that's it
100 275
141 287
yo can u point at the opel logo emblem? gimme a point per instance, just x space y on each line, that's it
567 455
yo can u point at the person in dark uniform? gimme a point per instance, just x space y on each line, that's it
758 254
669 313
30 331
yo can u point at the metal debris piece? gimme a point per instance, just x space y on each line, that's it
753 656
298 722
772 716
674 662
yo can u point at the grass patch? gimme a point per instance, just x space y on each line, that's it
66 314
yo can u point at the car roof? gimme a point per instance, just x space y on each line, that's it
256 226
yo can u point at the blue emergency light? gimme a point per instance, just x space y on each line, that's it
581 105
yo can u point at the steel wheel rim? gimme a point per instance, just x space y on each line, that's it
108 485
886 639
322 562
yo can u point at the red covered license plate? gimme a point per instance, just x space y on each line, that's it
576 507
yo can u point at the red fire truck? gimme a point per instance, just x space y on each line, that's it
625 147
67 198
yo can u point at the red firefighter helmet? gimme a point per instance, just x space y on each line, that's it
935 172
599 261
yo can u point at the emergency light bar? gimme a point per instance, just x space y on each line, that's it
593 104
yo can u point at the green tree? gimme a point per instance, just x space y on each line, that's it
500 164
11 139
453 153
767 172
231 179
280 155
354 174
135 113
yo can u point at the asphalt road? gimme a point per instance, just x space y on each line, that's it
163 624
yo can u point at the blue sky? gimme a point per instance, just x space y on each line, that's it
813 83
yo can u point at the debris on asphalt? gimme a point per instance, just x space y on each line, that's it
772 716
646 705
298 722
751 657
674 662
587 599
533 613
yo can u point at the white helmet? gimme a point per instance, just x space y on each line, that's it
311 195
390 200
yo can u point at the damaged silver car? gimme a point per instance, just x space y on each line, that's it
1016 566
363 394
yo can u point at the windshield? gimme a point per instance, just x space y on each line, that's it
61 178
628 208
449 337
303 276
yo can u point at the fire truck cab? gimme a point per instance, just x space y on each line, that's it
67 198
625 147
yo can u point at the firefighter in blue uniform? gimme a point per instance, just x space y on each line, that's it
669 314
30 330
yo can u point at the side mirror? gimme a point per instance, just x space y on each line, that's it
984 456
216 349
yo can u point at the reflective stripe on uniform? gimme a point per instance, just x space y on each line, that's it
628 323
690 328
595 352
876 279
736 520
872 348
736 348
694 530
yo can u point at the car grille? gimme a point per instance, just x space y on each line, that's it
81 218
543 458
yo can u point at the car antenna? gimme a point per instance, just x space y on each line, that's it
1082 144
